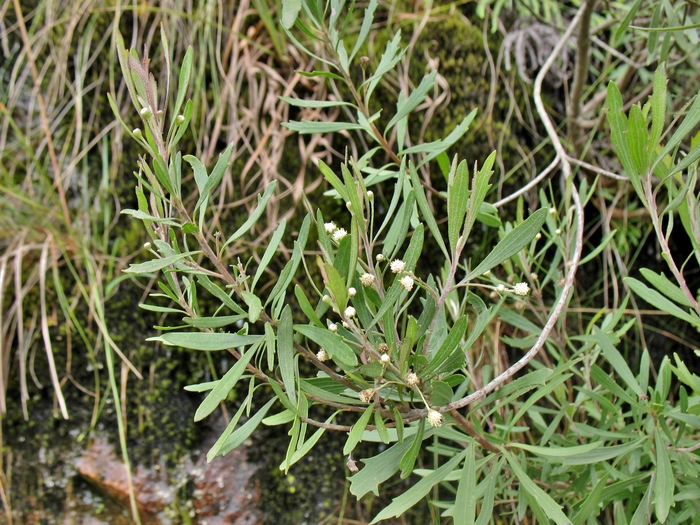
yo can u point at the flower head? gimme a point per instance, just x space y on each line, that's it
407 283
411 378
397 266
380 257
367 395
501 288
322 355
352 292
329 227
333 327
350 312
521 289
434 418
367 279
339 234
384 358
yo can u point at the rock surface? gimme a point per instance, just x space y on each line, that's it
224 491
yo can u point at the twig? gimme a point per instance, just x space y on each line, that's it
561 157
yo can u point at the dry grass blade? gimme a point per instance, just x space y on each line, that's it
43 268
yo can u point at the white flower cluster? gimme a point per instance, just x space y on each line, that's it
434 418
397 266
367 279
521 289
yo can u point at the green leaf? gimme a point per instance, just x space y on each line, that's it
550 507
367 20
357 429
408 460
457 198
290 12
480 187
214 450
269 251
664 486
601 454
417 492
378 469
390 58
489 493
224 386
302 103
381 428
441 146
638 137
334 180
332 343
414 99
184 80
336 284
214 178
443 360
239 436
514 241
658 105
464 511
206 341
270 346
213 322
692 117
666 287
622 28
285 353
306 127
425 210
306 307
254 305
659 301
620 141
554 453
158 264
217 292
247 225
619 364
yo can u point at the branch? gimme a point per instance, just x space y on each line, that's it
561 158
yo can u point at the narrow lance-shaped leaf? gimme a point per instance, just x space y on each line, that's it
480 187
550 507
215 178
514 241
184 80
239 436
618 362
357 430
332 343
367 20
465 501
618 135
408 460
290 12
457 198
224 386
269 252
285 353
418 491
659 301
247 225
424 207
416 97
665 482
206 341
